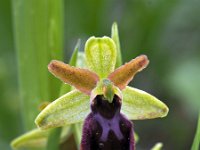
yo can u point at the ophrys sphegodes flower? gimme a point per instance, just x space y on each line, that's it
104 91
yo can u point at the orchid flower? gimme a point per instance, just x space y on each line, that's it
101 97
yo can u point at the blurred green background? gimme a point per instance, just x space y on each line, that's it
167 31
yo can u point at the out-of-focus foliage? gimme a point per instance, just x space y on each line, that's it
10 121
165 30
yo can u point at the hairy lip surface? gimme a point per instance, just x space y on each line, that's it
105 128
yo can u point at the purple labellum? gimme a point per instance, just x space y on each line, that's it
105 128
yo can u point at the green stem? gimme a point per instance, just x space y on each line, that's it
77 130
53 139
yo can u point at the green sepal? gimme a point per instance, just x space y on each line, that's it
101 55
139 105
70 108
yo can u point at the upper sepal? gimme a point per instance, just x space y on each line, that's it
139 105
101 55
70 108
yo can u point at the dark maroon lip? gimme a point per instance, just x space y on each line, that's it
104 108
105 128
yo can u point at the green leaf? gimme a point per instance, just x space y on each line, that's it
115 37
101 55
139 105
196 142
53 139
77 131
73 59
32 139
37 138
70 108
38 30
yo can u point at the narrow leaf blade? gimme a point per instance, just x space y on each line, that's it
115 37
32 139
38 31
70 108
73 59
37 138
139 105
53 139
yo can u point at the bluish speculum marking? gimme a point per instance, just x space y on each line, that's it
108 125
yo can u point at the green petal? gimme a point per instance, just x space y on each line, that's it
70 108
37 138
139 105
101 55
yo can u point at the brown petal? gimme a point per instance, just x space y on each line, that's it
124 74
82 79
